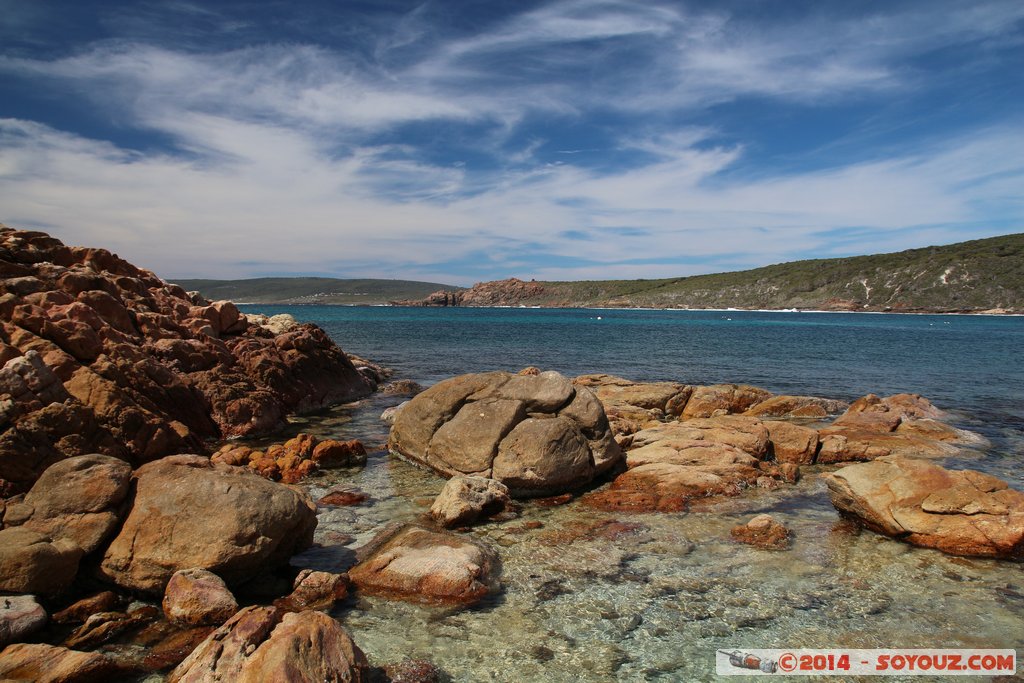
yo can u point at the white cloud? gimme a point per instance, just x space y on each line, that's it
278 164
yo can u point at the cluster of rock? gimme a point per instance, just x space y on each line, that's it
189 532
99 356
866 429
299 457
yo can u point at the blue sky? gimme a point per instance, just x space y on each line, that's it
466 141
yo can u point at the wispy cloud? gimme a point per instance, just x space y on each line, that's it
451 155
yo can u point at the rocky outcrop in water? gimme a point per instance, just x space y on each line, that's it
464 500
959 512
99 356
420 565
508 292
536 434
763 531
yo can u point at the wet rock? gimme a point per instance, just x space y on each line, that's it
174 647
329 453
731 398
343 497
763 531
196 597
79 611
958 512
401 387
315 591
79 500
391 413
20 617
104 627
188 512
537 434
49 664
30 563
416 564
464 500
262 643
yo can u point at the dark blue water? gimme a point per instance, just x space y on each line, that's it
971 365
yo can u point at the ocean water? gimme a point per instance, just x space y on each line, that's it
655 603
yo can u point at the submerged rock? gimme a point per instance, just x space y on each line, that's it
417 564
188 512
537 434
464 500
763 531
958 512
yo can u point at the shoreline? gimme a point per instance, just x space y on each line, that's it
642 308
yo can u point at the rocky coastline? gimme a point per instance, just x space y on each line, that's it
149 528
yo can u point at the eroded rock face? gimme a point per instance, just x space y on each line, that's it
265 644
188 512
98 356
958 512
537 433
464 500
417 564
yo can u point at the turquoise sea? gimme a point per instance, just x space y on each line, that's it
655 603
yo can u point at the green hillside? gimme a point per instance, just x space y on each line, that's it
312 290
979 275
976 275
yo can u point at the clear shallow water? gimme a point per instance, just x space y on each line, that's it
654 604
